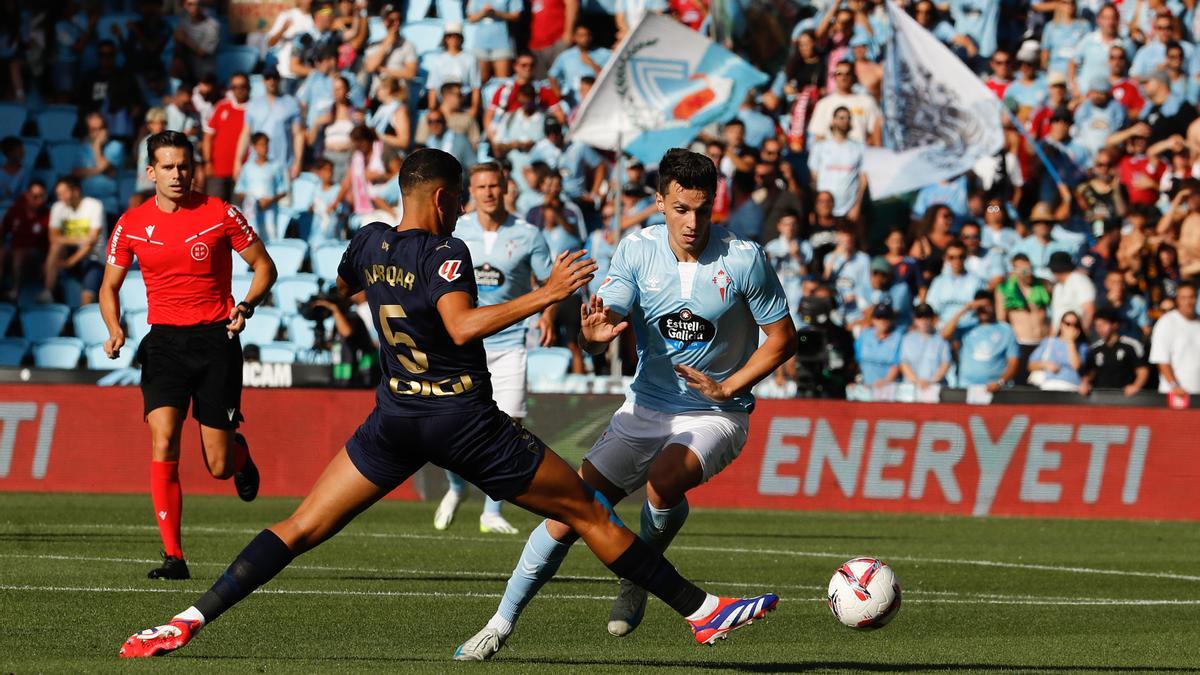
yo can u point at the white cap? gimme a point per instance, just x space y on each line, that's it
453 28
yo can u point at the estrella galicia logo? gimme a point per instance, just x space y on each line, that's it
686 330
488 278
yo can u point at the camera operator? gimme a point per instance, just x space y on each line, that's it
825 359
352 348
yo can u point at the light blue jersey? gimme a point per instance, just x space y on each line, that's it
704 314
506 261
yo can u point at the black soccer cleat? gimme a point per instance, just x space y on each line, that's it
172 568
246 481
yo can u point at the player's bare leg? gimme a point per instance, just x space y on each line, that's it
166 493
227 454
340 494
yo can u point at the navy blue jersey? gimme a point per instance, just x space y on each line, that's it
404 275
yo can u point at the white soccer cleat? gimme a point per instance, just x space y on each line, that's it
494 523
627 610
445 511
481 647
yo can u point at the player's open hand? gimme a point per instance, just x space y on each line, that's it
571 272
708 387
237 321
595 323
112 346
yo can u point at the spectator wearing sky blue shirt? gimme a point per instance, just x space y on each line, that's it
1091 58
954 288
452 64
1098 117
579 60
277 115
261 185
1057 361
988 353
1041 244
988 265
847 269
488 37
1150 56
924 355
877 349
836 167
978 20
952 192
1028 89
99 157
1061 36
883 290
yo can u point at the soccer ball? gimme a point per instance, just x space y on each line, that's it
864 593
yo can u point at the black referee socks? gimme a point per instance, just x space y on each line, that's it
265 556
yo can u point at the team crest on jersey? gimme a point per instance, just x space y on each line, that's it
510 247
199 251
686 330
488 278
722 282
449 270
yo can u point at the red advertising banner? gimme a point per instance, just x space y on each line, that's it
1076 461
81 438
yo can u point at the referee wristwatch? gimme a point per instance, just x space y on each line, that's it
247 309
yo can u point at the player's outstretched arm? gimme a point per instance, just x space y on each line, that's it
466 323
110 308
779 346
598 326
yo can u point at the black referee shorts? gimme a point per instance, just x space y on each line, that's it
196 364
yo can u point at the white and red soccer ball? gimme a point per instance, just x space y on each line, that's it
864 593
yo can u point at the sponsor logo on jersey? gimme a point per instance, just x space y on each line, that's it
199 251
150 230
685 329
722 281
488 278
449 270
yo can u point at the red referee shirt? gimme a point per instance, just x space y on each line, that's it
185 257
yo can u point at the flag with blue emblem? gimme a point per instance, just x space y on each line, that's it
665 83
939 118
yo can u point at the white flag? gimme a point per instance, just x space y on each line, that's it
939 118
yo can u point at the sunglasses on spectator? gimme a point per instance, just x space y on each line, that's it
955 256
1072 324
1000 62
970 237
993 209
841 73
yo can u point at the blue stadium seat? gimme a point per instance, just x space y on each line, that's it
234 59
262 327
126 186
277 352
258 89
302 332
7 312
57 352
326 257
64 156
136 326
57 122
239 266
98 360
425 36
104 188
240 286
89 325
13 350
288 255
12 118
293 290
115 20
548 365
39 322
133 293
33 150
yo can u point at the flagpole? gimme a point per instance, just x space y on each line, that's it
1037 147
614 347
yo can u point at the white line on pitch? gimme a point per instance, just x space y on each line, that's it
678 547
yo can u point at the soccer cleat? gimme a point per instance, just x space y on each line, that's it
627 610
731 614
445 511
246 481
495 523
159 640
172 568
481 647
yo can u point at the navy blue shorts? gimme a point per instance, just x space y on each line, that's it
486 447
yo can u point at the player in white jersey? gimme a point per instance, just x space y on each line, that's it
509 255
697 297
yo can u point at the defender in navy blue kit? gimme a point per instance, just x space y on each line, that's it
435 405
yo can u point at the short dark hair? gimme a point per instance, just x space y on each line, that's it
259 136
691 170
429 166
1187 283
1019 257
70 181
168 139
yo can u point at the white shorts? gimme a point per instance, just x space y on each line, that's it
507 367
636 435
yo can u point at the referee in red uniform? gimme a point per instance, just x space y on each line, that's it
183 241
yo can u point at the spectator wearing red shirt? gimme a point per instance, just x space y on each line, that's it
1139 171
183 242
1124 90
1001 77
221 135
505 98
24 232
550 26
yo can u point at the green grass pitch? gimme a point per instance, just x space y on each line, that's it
390 594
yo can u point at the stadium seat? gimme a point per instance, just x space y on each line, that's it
89 325
12 119
39 322
425 36
277 352
262 327
240 286
234 59
64 156
116 20
133 293
548 365
57 122
326 257
126 187
136 326
13 350
7 312
258 89
303 333
57 352
98 360
291 291
239 266
33 150
288 255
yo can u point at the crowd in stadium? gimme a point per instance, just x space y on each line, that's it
1067 262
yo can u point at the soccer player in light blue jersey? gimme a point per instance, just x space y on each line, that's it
697 297
509 254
